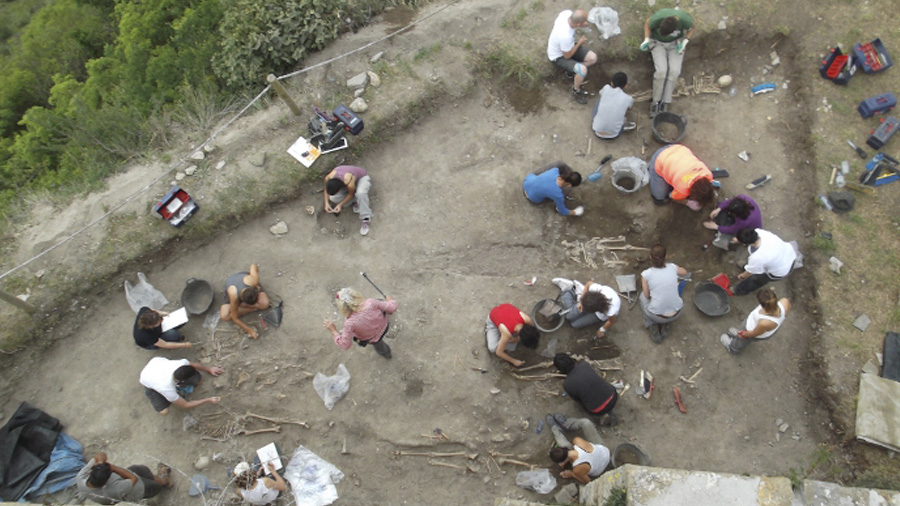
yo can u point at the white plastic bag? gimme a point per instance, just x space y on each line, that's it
539 480
143 294
632 167
606 19
312 478
332 388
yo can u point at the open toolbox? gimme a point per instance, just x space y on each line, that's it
838 67
872 57
176 207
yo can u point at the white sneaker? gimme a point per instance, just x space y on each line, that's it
726 340
733 332
563 283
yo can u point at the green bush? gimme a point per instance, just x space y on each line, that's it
268 36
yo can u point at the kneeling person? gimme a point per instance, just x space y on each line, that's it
505 327
585 386
105 483
165 381
346 184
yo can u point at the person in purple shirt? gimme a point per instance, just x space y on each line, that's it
735 214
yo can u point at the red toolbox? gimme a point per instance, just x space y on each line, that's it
879 104
872 57
837 67
176 207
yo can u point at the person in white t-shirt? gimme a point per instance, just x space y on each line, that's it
770 259
165 381
589 304
569 54
609 112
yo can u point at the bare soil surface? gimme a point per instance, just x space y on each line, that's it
452 237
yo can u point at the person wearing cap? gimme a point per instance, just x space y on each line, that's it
167 381
676 174
254 487
106 483
244 295
366 321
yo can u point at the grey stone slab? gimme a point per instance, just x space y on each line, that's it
878 411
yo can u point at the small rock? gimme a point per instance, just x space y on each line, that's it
377 57
219 457
190 170
746 438
39 274
779 421
359 92
358 81
862 322
359 105
258 159
498 439
202 463
566 494
197 155
279 228
870 368
783 427
775 59
725 81
220 164
209 148
179 176
494 391
722 25
374 80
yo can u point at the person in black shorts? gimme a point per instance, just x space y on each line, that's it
569 54
584 385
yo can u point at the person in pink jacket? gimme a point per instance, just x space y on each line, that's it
366 321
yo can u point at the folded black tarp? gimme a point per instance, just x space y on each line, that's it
891 357
26 443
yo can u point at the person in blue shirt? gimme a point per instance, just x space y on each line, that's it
552 183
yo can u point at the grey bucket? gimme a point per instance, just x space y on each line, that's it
620 181
626 452
679 121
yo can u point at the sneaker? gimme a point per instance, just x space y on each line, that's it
654 108
663 107
551 421
561 420
570 74
726 341
663 330
563 284
733 332
364 228
355 207
580 96
629 125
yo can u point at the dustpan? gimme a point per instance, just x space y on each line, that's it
627 286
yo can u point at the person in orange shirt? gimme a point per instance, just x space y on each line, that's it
676 174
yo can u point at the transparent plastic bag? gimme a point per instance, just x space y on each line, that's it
143 294
332 388
632 167
539 480
606 19
312 479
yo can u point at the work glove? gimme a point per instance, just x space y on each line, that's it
681 45
578 211
645 46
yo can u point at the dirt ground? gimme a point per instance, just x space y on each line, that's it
452 237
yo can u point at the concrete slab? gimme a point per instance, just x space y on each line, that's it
878 411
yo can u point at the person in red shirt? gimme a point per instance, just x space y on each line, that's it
505 327
676 174
366 321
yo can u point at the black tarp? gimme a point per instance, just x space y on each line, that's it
891 357
26 443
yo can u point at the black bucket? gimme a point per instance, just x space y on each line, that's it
670 118
197 296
